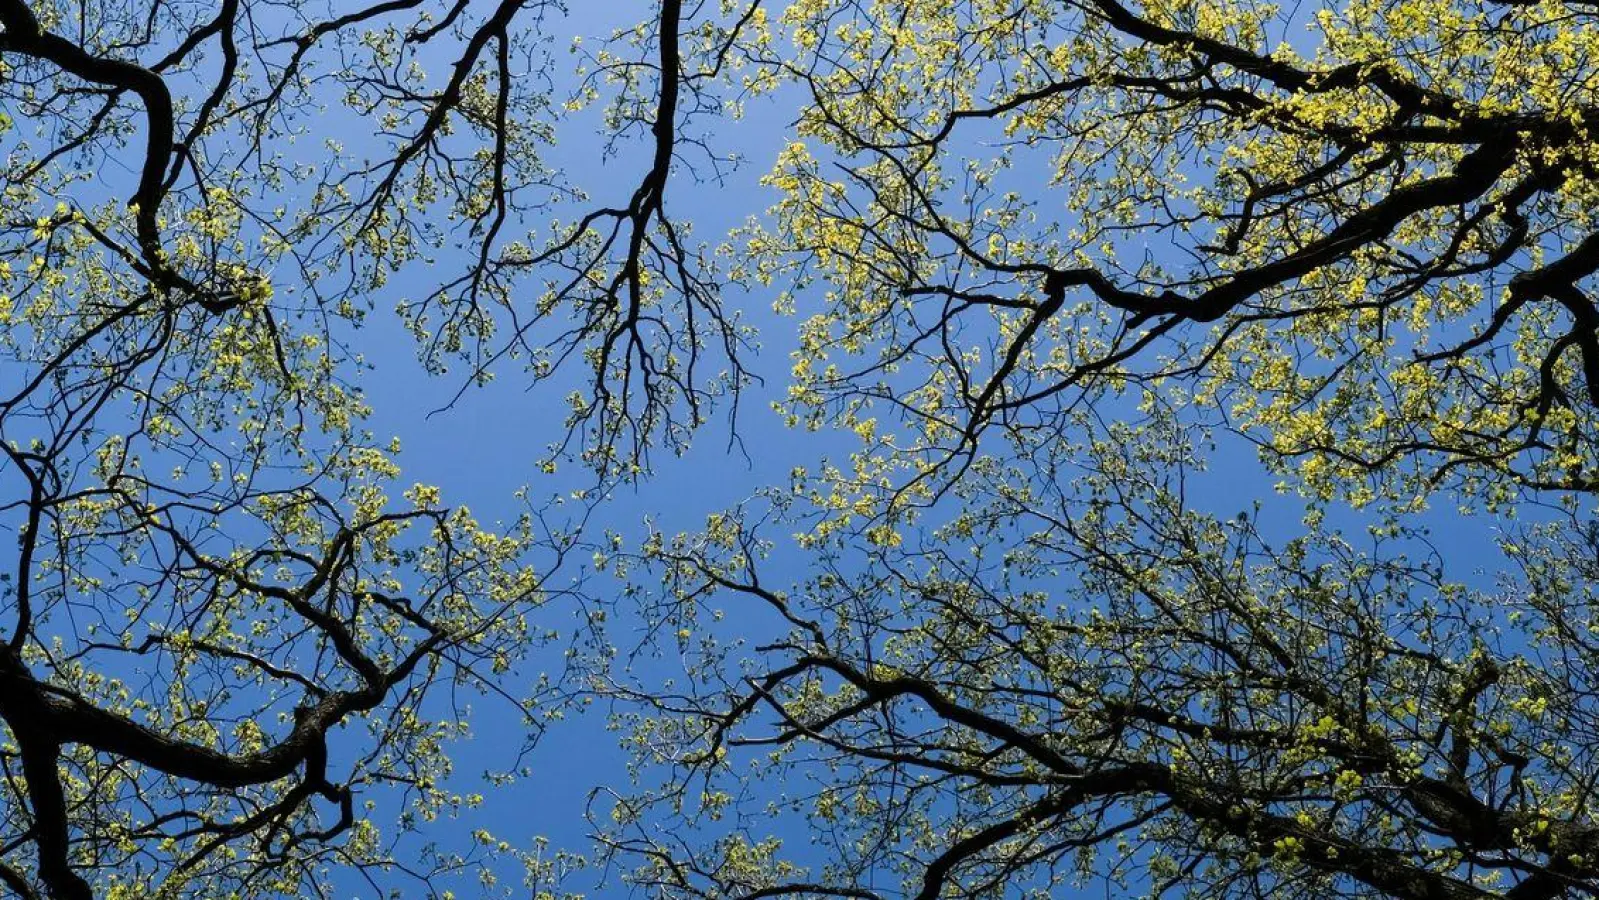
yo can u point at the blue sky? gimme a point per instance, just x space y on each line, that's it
482 448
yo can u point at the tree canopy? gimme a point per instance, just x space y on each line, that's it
1193 415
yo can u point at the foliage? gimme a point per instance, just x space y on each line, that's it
1081 677
238 646
1051 269
1052 261
1359 231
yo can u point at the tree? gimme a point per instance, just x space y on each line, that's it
1056 260
232 632
1080 677
1370 244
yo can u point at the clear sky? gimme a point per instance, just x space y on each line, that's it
482 448
482 445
